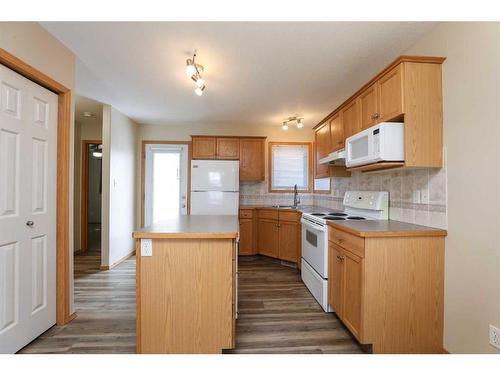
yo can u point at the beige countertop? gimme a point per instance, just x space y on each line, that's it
192 226
385 228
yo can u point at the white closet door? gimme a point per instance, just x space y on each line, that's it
28 154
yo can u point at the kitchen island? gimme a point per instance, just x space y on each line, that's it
186 284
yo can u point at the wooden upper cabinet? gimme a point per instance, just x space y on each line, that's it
204 147
252 159
350 119
390 93
322 149
336 133
228 148
368 103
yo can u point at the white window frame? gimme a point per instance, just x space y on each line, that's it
309 166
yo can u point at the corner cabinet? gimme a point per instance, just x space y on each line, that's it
409 90
381 288
248 150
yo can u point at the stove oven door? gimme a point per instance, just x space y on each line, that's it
315 246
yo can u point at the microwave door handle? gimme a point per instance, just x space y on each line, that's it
311 224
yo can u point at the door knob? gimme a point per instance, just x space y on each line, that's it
30 223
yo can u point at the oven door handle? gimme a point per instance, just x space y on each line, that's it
321 228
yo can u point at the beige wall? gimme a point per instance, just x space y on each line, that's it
35 46
88 130
471 82
119 195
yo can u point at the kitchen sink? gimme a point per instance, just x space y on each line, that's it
282 206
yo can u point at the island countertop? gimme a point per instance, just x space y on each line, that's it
192 226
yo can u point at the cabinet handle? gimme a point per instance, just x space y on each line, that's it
340 240
340 258
375 116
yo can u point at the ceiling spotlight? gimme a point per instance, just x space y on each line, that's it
200 82
87 114
194 71
199 90
300 124
297 119
285 125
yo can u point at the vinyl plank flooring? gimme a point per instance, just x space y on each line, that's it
277 314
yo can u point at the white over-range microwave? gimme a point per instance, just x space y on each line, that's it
382 142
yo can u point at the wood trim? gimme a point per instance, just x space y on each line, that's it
377 166
184 235
63 315
270 166
84 192
399 60
228 136
138 296
143 172
107 268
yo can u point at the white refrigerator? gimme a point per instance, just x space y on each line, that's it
215 186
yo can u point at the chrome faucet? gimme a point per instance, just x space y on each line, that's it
296 199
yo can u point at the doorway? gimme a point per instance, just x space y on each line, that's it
165 181
91 196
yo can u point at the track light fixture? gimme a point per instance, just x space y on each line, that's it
194 71
298 119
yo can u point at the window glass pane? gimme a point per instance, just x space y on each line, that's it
290 166
166 185
322 184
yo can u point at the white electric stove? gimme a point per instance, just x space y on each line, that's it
358 205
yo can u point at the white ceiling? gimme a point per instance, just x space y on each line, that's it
256 72
82 105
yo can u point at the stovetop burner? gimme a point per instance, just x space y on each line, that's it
317 214
334 218
356 218
337 214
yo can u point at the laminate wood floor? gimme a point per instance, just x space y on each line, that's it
105 306
277 314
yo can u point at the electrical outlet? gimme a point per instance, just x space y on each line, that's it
495 336
146 247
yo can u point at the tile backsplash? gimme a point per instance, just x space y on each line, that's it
416 196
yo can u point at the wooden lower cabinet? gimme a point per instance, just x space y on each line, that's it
246 237
268 237
289 241
389 291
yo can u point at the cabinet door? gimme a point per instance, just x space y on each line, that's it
390 88
368 101
336 133
204 147
246 236
268 237
228 148
335 278
350 119
252 160
322 149
289 234
352 292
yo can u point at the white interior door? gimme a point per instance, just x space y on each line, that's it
166 175
28 151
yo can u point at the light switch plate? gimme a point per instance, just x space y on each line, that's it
494 336
146 247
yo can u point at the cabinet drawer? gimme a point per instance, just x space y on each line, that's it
289 216
268 214
246 214
348 241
